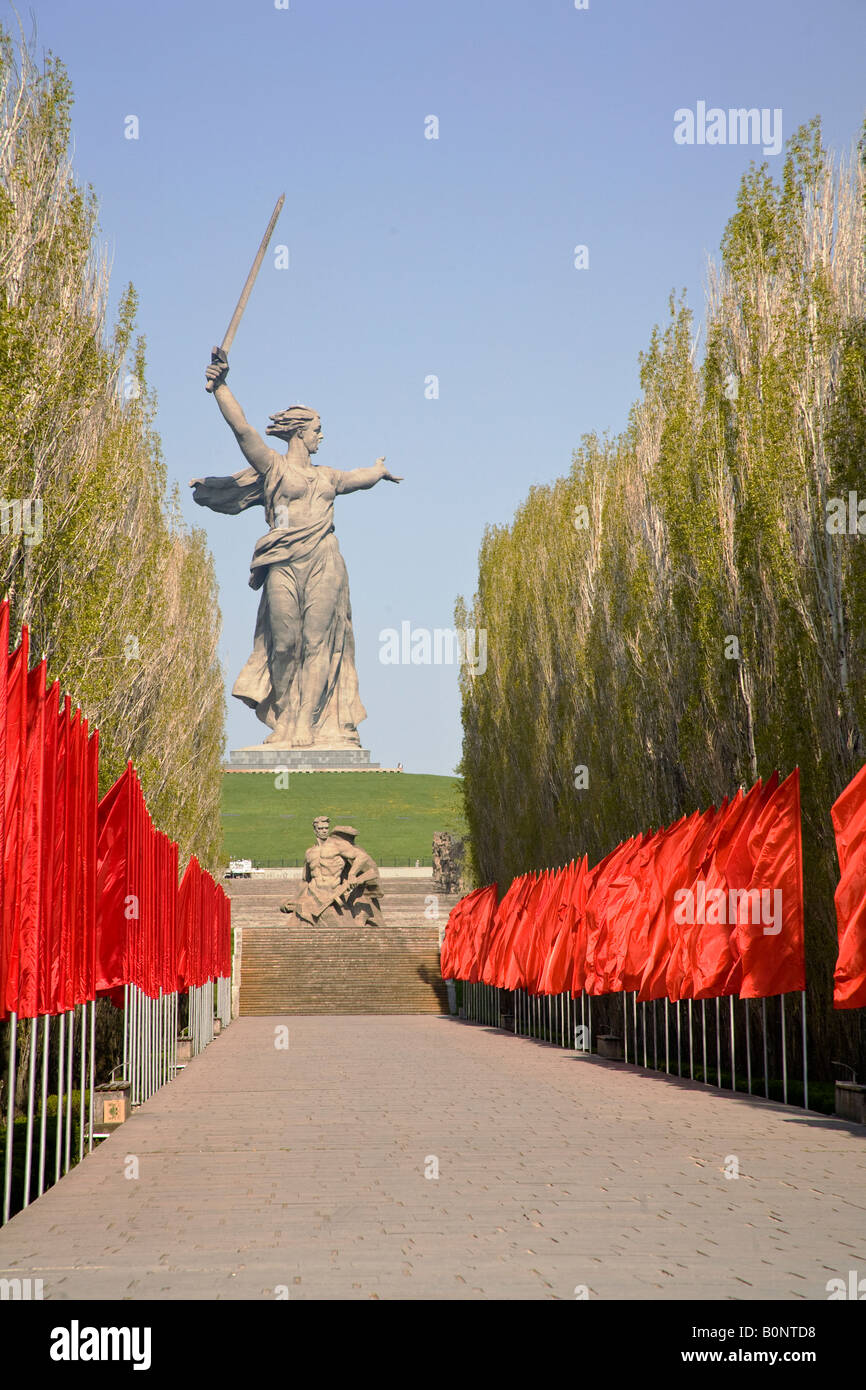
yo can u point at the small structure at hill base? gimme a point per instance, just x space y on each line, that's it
340 881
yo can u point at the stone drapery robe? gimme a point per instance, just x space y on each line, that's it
306 550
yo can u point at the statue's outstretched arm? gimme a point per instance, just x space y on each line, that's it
356 479
253 447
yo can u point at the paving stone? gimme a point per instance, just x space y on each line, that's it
306 1168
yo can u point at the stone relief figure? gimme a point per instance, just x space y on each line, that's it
363 898
340 881
301 678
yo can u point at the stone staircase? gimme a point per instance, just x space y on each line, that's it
303 969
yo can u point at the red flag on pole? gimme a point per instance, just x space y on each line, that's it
4 676
849 823
16 757
26 949
114 816
769 920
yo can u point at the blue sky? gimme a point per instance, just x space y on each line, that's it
411 257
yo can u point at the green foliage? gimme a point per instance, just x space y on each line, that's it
119 594
612 647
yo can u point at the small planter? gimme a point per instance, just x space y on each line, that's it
217 1027
610 1046
184 1051
851 1101
111 1105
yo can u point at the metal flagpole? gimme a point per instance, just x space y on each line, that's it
92 1070
625 1025
133 1095
679 1042
805 1061
691 1045
61 1021
83 1096
766 1064
11 1073
718 1045
667 1047
139 1046
733 1060
43 1108
126 1032
31 1099
704 1029
784 1054
643 1026
67 1156
748 1048
655 1037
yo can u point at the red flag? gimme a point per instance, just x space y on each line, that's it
16 755
47 914
670 853
25 945
90 861
849 822
684 881
489 942
71 946
4 675
495 950
600 957
189 920
468 915
568 942
114 815
524 961
770 928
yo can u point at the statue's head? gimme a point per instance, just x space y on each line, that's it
298 421
320 827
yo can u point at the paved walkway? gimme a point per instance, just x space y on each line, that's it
305 1169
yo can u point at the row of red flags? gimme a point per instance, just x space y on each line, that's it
709 906
89 893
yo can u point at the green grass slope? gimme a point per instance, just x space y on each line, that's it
395 813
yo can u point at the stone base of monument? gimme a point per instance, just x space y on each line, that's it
851 1101
264 757
610 1046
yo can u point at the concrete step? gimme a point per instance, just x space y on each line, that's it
341 970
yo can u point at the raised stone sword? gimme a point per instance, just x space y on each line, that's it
247 289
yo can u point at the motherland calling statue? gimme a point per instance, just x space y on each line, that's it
300 679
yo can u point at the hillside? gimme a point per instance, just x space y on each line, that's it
395 813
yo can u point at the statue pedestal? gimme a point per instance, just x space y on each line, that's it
267 757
